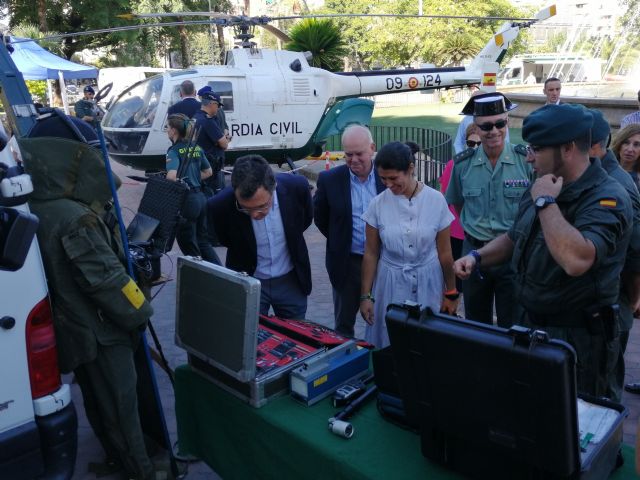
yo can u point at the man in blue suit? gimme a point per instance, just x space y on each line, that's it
189 104
343 195
261 219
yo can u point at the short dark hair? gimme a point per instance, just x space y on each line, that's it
583 142
249 174
187 87
551 79
394 156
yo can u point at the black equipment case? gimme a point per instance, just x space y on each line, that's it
497 403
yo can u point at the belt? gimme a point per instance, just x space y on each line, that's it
474 242
195 189
558 320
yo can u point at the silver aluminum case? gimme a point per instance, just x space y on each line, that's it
217 316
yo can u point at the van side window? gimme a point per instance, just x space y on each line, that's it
225 90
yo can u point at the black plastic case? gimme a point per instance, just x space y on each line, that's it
496 403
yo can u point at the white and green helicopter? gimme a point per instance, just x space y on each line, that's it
277 105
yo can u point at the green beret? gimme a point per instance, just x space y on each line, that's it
600 129
556 124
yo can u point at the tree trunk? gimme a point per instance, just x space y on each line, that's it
220 32
57 94
42 15
184 46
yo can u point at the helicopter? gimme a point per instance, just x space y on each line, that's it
276 104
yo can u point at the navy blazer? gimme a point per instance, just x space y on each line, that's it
235 231
189 106
333 217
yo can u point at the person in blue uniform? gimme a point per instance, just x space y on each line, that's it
567 244
192 232
211 138
85 108
485 188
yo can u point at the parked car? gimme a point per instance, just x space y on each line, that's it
38 424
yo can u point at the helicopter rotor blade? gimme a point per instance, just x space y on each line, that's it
326 15
277 32
125 28
403 15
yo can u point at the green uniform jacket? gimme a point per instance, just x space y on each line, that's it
489 197
93 298
600 209
632 262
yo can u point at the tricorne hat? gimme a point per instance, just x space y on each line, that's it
488 104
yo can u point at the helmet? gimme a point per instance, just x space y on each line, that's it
89 89
55 123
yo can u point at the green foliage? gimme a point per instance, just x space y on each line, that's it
31 30
393 42
74 16
323 39
37 89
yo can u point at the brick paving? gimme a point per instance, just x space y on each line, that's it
320 309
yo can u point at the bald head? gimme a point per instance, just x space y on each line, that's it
359 149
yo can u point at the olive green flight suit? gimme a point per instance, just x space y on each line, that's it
579 310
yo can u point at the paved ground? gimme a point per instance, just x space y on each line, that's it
320 310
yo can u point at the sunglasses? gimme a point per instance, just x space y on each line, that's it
487 127
472 144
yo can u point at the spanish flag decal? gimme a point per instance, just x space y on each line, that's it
608 202
489 79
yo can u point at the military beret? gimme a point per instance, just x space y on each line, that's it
89 89
556 124
600 129
488 104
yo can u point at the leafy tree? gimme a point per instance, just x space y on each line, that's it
73 16
457 48
392 42
31 30
323 39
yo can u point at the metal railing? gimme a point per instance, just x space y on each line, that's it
436 148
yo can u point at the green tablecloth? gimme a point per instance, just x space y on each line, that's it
287 440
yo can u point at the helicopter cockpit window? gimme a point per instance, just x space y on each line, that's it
136 107
225 90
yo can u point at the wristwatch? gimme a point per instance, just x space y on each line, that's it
543 201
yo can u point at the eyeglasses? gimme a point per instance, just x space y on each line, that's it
259 209
472 144
487 127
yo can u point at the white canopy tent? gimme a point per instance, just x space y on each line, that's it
37 63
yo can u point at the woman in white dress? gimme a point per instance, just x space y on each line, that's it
407 247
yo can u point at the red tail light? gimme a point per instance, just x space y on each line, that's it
41 350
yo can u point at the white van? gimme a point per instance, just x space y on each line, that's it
38 424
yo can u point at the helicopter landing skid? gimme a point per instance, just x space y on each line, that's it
292 166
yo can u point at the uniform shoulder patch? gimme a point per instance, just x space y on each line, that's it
609 202
463 155
521 149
